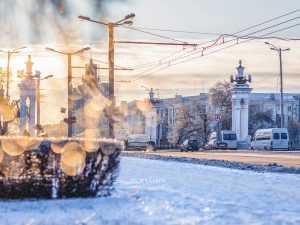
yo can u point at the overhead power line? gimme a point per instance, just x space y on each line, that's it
190 32
214 51
221 35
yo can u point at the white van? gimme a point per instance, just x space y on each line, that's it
228 136
271 139
138 142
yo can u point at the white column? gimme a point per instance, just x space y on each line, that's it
153 128
23 115
32 116
245 119
148 124
236 115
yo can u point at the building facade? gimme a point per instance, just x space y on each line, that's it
89 100
138 121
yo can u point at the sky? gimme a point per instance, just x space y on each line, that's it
26 24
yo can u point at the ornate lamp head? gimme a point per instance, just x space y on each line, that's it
240 78
29 65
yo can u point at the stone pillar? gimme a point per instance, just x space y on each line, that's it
28 89
150 124
32 116
23 114
244 118
240 103
153 130
236 115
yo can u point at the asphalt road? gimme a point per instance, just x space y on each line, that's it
284 158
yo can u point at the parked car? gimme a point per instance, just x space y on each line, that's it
271 139
228 136
214 144
137 142
151 146
189 145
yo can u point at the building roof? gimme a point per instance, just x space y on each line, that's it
271 97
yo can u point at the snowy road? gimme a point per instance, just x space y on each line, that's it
159 192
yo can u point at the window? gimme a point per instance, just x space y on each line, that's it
283 135
289 118
263 136
278 108
276 136
257 135
229 136
191 142
289 108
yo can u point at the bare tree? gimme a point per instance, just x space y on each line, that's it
294 133
16 110
193 121
3 76
220 95
259 118
220 99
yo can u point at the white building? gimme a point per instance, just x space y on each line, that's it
138 123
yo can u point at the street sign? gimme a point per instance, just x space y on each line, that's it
218 117
218 126
219 136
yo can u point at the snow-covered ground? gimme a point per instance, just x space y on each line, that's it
160 192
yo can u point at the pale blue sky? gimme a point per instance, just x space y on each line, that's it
214 16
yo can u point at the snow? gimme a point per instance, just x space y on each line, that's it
161 192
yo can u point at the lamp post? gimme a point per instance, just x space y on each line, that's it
281 85
69 82
111 58
9 53
38 99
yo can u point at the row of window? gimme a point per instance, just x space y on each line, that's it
289 108
267 136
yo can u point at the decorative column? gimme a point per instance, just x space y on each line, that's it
32 115
23 115
28 89
240 103
151 123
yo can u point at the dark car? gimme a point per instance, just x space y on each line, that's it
189 145
151 146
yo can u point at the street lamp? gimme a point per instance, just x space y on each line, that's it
9 53
69 82
281 88
111 58
38 104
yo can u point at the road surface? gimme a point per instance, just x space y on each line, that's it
284 158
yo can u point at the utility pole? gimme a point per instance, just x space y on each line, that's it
281 83
111 87
70 86
7 75
9 53
38 100
111 62
70 101
281 92
38 105
111 55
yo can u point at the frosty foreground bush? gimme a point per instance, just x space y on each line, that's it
44 172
